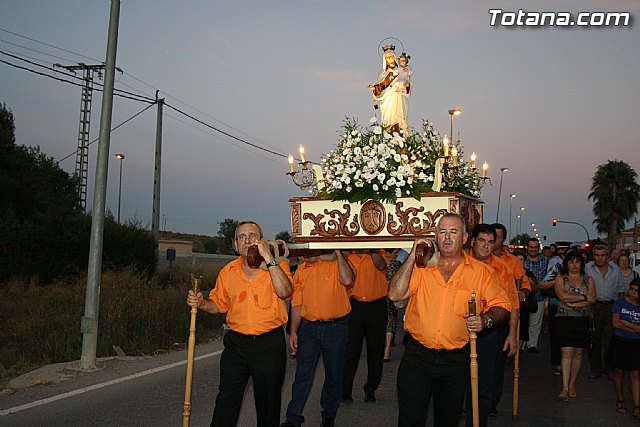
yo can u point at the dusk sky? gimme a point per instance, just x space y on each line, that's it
549 103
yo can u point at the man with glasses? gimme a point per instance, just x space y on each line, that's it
255 345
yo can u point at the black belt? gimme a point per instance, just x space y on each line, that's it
463 350
604 302
253 337
367 302
336 320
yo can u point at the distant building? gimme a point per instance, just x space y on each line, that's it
181 246
629 239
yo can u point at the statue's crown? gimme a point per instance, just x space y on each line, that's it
388 47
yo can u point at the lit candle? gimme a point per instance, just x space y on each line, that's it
473 160
302 154
454 156
445 144
290 163
485 166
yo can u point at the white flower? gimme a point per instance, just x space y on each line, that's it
373 120
354 132
391 181
396 157
381 177
377 130
375 187
398 192
348 189
357 151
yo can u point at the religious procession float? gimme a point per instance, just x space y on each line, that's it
384 184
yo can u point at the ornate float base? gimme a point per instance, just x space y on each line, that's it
324 224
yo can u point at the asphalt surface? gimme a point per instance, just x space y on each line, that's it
150 391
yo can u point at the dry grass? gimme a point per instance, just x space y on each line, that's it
41 324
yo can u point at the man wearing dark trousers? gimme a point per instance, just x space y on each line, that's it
435 362
493 344
368 320
319 326
609 288
255 346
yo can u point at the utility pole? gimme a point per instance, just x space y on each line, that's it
155 217
82 152
89 327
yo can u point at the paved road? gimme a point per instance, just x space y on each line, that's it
150 391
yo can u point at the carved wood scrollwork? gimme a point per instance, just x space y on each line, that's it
296 226
410 221
338 225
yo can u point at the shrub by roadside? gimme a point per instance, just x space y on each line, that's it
41 324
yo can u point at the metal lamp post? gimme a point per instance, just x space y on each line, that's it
511 197
120 157
520 224
454 112
502 171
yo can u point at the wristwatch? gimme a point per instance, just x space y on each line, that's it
489 322
272 263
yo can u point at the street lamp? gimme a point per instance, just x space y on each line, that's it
520 223
511 197
454 112
502 171
120 157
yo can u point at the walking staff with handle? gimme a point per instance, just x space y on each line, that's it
516 362
474 365
195 284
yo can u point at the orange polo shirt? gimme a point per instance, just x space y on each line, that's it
370 283
435 313
505 279
516 266
252 307
317 288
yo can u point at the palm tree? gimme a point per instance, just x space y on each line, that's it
615 194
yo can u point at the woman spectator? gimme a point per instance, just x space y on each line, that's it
626 271
576 293
396 258
625 346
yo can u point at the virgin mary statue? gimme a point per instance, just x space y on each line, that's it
390 93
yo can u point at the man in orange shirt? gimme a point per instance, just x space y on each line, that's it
255 346
319 311
435 362
368 320
493 343
517 269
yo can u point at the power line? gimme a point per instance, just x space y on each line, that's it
226 133
37 51
47 44
135 78
121 93
120 125
144 83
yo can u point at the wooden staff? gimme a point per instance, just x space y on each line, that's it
516 363
195 283
474 366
